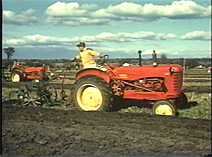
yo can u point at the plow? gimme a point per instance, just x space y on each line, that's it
96 89
40 92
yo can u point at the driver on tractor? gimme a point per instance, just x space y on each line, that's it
87 56
16 65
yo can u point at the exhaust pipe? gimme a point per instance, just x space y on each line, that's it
154 57
139 52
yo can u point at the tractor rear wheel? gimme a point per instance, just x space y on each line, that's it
164 107
16 76
92 93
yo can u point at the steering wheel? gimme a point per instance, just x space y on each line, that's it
103 60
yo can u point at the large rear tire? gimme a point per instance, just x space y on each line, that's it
92 93
164 107
16 76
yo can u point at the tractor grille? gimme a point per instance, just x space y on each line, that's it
177 81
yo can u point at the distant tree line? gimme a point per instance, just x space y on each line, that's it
28 63
190 63
163 59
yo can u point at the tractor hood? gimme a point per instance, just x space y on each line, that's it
136 72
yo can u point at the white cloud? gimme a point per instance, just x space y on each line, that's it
66 9
102 13
72 9
24 18
37 39
75 14
207 13
72 14
127 37
89 6
103 39
40 40
75 21
135 12
197 35
98 43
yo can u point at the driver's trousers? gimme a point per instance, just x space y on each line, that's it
94 65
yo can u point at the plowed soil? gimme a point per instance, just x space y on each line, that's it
43 131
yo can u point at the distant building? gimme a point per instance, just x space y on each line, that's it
200 67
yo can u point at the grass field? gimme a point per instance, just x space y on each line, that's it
197 87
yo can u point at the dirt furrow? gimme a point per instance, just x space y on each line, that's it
42 131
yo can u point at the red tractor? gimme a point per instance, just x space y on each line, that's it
159 85
21 73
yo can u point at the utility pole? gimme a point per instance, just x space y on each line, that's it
184 69
154 58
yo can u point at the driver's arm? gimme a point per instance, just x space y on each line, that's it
75 58
94 53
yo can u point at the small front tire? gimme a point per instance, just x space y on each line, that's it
164 107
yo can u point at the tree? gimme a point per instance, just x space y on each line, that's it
192 63
9 52
163 56
163 59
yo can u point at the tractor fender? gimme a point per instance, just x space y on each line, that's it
19 71
93 71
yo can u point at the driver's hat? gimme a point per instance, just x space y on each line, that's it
81 44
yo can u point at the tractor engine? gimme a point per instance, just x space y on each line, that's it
155 84
147 80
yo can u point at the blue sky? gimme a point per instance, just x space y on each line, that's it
50 29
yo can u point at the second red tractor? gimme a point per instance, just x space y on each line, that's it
28 73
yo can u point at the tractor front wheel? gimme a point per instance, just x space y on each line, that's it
92 93
16 76
164 107
182 101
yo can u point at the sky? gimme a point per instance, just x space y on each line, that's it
50 29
